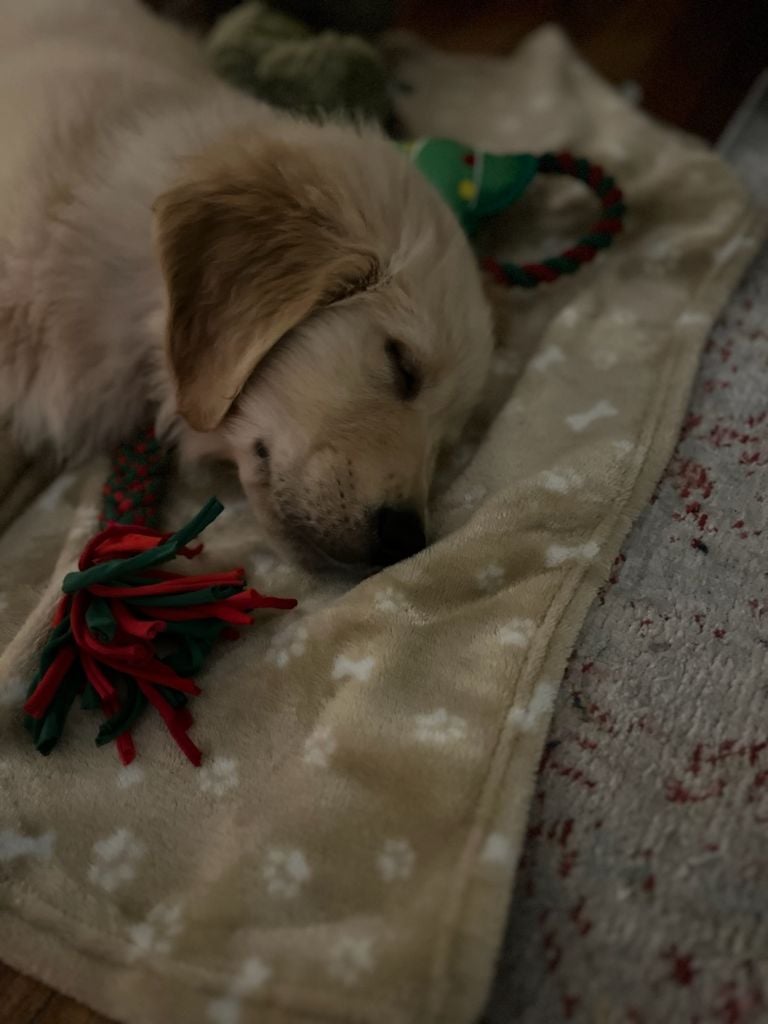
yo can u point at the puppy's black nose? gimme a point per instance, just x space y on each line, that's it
399 533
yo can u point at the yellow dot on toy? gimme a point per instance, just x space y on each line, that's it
467 189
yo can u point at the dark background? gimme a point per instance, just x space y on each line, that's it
694 59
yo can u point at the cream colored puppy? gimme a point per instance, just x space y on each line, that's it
289 295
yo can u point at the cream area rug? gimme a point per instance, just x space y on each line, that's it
346 851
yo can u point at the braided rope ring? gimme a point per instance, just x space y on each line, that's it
599 237
134 488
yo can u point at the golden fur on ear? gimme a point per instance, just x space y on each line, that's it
247 255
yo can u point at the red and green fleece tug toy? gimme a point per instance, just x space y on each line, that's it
127 634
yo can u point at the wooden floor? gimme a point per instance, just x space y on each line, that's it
693 59
24 1001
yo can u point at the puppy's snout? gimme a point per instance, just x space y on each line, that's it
399 533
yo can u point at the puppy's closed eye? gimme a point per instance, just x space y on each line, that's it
408 379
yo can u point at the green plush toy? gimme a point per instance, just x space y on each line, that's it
475 185
282 61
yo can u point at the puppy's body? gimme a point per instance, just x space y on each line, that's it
168 245
96 107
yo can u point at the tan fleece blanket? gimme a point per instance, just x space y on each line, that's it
346 851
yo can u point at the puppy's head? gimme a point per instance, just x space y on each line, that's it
327 327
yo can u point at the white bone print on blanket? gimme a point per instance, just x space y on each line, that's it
349 668
560 481
579 421
558 553
517 633
16 844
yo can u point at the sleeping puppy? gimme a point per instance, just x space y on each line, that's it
288 295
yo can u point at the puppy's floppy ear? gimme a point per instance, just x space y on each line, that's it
246 259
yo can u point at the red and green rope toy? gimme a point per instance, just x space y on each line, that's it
127 634
478 185
599 237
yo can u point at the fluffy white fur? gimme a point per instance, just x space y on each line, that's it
270 333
